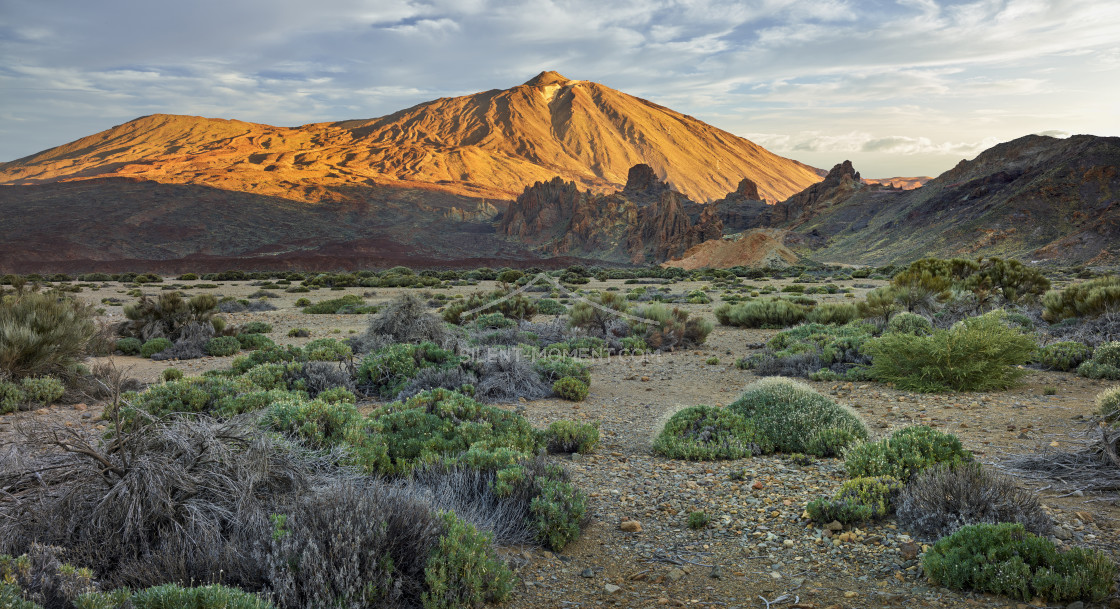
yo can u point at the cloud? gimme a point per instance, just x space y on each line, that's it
853 142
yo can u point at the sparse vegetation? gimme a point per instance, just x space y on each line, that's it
905 453
1105 363
1089 299
858 500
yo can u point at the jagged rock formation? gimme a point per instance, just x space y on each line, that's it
491 144
646 221
1034 198
743 209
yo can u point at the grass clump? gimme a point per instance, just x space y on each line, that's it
698 520
792 416
835 313
762 313
571 437
1005 559
905 453
1105 363
978 354
702 433
168 315
858 500
156 345
1108 404
673 328
1066 355
944 498
571 389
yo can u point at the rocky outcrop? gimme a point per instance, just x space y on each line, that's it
840 184
645 222
743 209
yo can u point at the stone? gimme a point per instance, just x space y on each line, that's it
834 526
588 572
611 588
631 526
1076 605
909 550
675 575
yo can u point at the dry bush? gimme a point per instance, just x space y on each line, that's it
318 377
504 376
168 315
438 378
404 320
943 498
191 343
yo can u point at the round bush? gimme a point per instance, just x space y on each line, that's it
571 437
129 346
571 389
171 374
792 416
905 453
857 500
11 397
701 433
1065 355
256 327
1006 559
154 346
1105 363
220 346
1108 404
910 323
44 390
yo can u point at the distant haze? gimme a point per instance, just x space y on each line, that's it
901 88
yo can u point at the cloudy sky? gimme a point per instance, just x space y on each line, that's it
900 87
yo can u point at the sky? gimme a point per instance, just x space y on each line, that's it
899 87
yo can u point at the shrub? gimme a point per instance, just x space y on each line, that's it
12 398
548 306
256 327
404 320
327 350
558 511
454 379
698 520
43 389
1064 355
554 368
213 596
674 327
878 306
944 498
905 453
249 342
808 348
1105 363
832 442
166 316
43 333
299 333
348 304
837 313
505 376
39 578
598 312
156 345
1089 299
571 389
1006 559
513 306
910 323
858 500
1108 404
463 570
571 437
171 374
791 414
978 354
762 313
701 433
221 346
129 346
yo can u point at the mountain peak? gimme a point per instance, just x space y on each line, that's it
548 77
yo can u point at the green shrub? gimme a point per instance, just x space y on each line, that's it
515 306
674 327
168 315
12 398
337 395
221 346
348 304
712 361
762 313
493 321
303 302
256 327
1105 363
791 414
905 453
1005 559
463 570
250 342
598 311
832 442
571 389
328 350
554 368
910 323
1108 404
387 370
557 511
701 433
298 332
571 437
156 345
837 313
43 333
1065 355
171 374
858 500
548 306
1089 299
213 596
698 520
129 346
978 354
43 389
809 348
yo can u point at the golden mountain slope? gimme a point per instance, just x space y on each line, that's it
490 144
